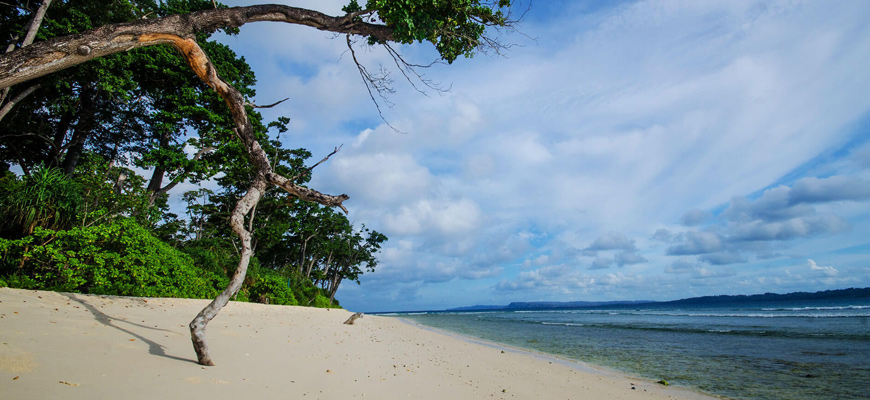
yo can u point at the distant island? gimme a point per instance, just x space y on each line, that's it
841 294
520 305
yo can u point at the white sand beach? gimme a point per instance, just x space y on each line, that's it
72 346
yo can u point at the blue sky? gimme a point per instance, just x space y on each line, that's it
621 151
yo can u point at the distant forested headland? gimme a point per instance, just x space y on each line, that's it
827 295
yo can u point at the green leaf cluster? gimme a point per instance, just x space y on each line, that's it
81 219
455 27
119 258
45 199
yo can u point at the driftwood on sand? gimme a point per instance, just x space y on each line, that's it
353 318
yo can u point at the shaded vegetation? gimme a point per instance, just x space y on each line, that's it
80 219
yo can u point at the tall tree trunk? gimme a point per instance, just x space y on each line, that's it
202 66
75 150
310 267
302 258
334 288
55 152
328 264
81 131
237 222
156 181
154 189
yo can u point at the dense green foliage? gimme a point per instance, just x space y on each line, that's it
455 27
45 199
120 258
81 219
102 248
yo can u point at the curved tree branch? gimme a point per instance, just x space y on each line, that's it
53 55
152 197
15 100
203 67
180 31
32 28
35 23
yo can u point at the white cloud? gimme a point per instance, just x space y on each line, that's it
612 241
695 217
541 260
447 217
381 177
697 242
723 258
599 136
827 270
601 263
629 258
559 278
835 188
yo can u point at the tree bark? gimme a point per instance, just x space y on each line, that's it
237 222
334 288
202 66
53 55
57 147
81 131
180 31
154 188
32 28
15 100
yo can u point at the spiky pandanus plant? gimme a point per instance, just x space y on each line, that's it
46 198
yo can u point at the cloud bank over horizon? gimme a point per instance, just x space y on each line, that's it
640 150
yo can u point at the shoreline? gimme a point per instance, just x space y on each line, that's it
82 347
581 366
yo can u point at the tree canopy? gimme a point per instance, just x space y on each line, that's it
96 93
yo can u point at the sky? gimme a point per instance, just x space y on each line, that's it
632 150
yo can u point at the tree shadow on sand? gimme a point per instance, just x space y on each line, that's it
153 347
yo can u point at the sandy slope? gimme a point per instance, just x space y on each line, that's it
71 346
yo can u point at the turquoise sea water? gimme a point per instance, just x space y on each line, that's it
758 351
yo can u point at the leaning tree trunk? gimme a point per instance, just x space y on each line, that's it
334 288
201 64
237 222
180 31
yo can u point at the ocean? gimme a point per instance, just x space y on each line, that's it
794 351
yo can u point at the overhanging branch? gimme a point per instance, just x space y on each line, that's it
59 53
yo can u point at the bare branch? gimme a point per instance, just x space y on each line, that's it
407 68
15 100
152 197
337 149
380 84
267 106
307 194
35 23
33 27
308 170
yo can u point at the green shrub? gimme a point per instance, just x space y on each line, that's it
321 301
120 258
270 288
214 259
45 199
